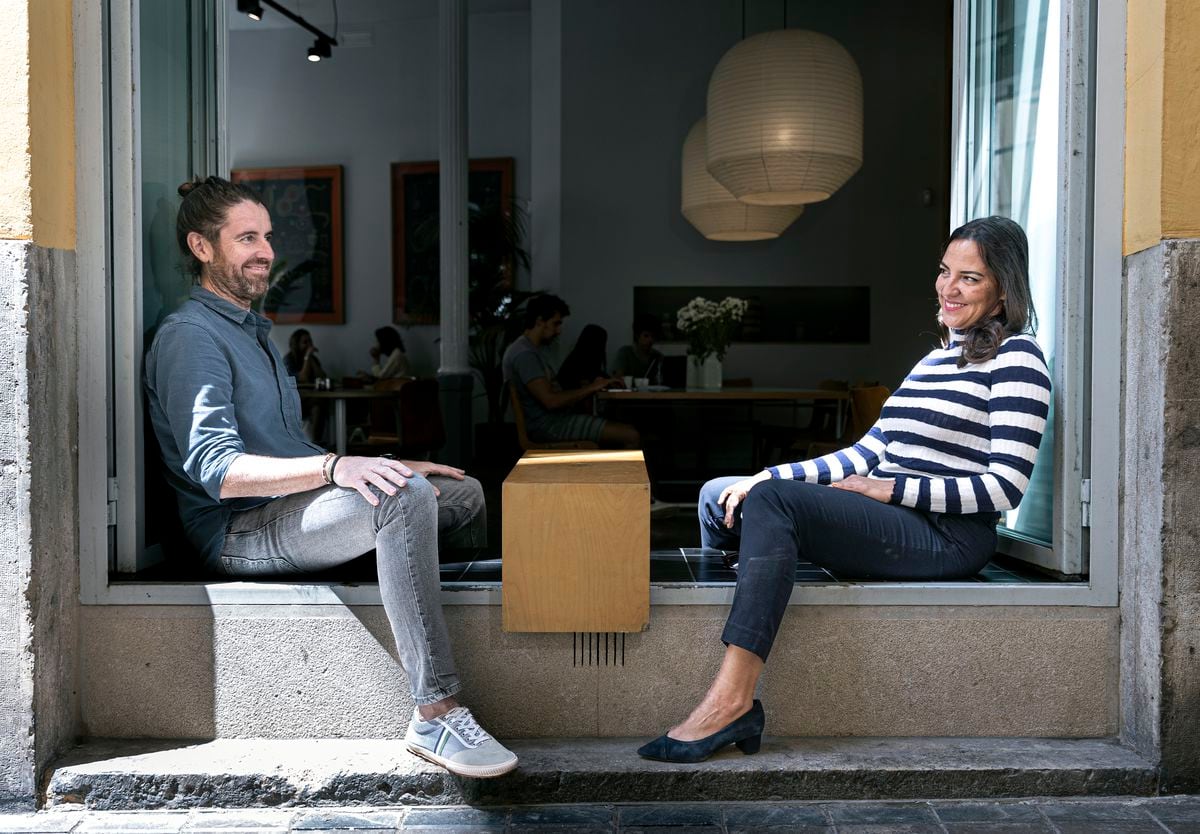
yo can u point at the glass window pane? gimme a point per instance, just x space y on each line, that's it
172 120
167 131
1011 116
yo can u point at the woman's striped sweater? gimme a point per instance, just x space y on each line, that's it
956 440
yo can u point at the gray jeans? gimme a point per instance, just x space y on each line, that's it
322 528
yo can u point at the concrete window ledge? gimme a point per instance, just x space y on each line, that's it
490 593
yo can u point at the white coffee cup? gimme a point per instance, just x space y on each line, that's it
641 382
628 380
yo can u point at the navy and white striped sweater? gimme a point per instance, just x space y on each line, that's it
956 440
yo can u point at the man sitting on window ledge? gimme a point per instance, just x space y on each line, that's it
257 498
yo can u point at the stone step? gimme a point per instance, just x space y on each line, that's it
257 773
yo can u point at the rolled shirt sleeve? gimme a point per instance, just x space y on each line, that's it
194 383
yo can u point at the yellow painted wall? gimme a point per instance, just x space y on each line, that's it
1162 122
52 123
1144 45
16 220
37 123
1181 121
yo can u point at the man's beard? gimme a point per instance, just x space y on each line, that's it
231 279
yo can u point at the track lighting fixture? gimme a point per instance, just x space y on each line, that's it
320 49
251 8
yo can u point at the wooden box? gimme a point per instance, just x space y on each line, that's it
577 542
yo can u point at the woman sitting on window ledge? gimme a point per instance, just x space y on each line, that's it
917 498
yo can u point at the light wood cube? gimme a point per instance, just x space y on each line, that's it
577 542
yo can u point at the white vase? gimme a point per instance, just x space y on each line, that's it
706 375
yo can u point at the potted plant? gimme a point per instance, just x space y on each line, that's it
709 327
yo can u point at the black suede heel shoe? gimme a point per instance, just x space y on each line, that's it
745 732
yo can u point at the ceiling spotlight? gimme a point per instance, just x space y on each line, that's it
251 8
320 49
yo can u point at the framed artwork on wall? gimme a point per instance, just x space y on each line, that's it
306 217
416 261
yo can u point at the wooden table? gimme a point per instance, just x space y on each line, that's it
339 397
734 394
577 542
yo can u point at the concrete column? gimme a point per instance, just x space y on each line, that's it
1160 575
39 516
454 372
545 179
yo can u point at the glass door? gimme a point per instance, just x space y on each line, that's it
1012 149
172 52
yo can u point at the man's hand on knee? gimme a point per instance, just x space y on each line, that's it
360 473
426 468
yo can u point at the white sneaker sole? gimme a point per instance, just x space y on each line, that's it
470 771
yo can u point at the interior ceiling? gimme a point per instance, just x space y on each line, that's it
358 13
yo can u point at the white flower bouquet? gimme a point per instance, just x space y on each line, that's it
709 325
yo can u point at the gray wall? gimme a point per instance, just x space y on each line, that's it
39 566
367 108
632 86
1160 576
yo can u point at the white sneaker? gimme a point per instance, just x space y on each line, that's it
457 742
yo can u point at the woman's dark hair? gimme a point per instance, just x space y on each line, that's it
294 342
646 323
389 340
587 360
544 307
1005 250
204 210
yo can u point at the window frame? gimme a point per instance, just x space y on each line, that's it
105 101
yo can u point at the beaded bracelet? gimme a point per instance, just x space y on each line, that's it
326 469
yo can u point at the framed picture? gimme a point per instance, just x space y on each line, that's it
416 261
306 217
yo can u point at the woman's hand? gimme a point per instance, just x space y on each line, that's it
735 494
425 468
361 473
879 489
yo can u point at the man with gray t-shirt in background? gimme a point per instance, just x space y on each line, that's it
548 418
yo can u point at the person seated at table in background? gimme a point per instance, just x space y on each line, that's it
546 404
301 362
301 359
257 499
389 359
641 359
586 362
917 498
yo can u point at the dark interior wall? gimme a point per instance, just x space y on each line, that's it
634 80
365 109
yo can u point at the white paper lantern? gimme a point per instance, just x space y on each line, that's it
716 213
785 118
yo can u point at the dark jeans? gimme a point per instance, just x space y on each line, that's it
849 534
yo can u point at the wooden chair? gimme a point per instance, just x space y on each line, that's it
865 405
411 423
790 443
523 437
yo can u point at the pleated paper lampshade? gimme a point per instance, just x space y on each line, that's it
785 118
716 213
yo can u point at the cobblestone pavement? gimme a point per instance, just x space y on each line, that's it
1180 815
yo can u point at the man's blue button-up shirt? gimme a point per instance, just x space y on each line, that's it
217 388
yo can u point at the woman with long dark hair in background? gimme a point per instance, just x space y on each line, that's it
388 354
